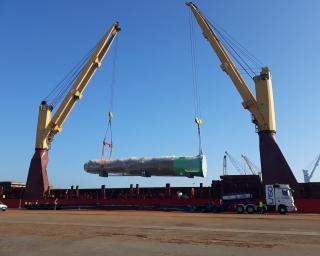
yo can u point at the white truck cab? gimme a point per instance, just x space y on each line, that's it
280 196
3 207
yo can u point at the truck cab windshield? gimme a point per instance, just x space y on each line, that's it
285 192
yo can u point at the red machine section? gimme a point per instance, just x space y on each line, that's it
37 183
274 166
303 205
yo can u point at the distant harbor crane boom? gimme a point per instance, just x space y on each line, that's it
252 167
306 175
235 163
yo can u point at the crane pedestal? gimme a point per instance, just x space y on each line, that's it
274 166
37 182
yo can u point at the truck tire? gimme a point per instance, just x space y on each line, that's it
239 209
282 209
250 209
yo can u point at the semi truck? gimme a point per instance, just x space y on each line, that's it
278 198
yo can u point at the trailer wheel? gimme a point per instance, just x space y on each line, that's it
239 209
250 209
282 209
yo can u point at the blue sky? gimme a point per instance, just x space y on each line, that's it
153 105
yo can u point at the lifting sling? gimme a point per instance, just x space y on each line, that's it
105 141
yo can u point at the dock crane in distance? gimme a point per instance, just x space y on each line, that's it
307 177
224 165
274 166
234 162
253 169
37 182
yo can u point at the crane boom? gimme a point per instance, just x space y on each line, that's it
307 176
235 163
249 164
274 166
37 182
261 108
48 127
314 167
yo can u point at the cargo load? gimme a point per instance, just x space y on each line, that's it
170 166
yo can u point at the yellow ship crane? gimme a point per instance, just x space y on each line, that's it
262 107
274 166
48 126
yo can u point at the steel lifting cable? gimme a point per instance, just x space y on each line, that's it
253 59
106 142
72 77
237 51
197 110
58 92
236 56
